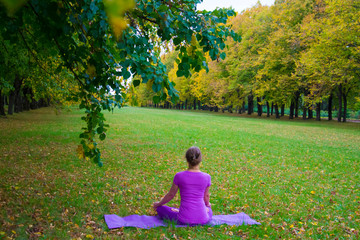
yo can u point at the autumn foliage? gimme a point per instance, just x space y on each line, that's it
300 55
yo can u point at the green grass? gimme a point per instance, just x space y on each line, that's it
298 179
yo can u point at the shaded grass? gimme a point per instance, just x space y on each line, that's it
299 179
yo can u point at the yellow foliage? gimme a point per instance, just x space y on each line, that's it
80 152
118 24
91 71
115 10
91 145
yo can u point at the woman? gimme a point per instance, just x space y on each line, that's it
194 192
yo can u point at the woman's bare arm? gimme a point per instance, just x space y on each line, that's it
168 197
207 197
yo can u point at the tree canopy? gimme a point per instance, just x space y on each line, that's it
87 51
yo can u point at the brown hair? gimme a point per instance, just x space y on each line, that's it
193 156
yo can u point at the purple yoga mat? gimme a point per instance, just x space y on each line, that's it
143 221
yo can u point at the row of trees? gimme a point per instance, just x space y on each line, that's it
300 54
28 81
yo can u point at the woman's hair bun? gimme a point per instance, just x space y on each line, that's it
193 156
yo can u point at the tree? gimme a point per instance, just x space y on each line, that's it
102 44
242 58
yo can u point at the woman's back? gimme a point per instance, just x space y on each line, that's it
192 187
194 192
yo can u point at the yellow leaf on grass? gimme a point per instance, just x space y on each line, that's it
90 236
312 192
314 223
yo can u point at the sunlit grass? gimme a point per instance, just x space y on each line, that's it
299 179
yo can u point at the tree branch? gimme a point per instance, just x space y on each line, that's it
71 69
2 42
144 17
31 52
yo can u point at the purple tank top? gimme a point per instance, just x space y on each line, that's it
192 187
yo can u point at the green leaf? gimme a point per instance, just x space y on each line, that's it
156 87
222 55
136 83
102 136
177 41
126 74
156 99
180 73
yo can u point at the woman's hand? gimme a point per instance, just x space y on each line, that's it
156 205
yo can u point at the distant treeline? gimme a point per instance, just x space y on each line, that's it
20 98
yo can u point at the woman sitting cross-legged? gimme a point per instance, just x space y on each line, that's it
194 192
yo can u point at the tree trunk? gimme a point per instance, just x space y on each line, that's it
277 111
26 102
194 103
2 102
243 106
318 118
345 108
216 109
330 107
250 104
282 110
304 112
297 95
292 106
272 108
259 107
34 104
17 103
267 109
18 95
11 102
340 103
186 104
310 113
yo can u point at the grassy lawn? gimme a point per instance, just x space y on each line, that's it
298 179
